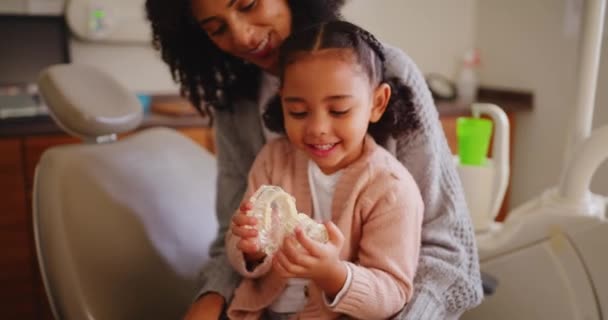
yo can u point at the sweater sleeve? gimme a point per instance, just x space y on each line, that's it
258 176
385 265
448 280
231 183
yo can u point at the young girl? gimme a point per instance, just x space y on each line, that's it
335 104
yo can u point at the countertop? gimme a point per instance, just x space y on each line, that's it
510 101
44 125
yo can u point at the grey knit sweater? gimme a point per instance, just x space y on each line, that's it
448 280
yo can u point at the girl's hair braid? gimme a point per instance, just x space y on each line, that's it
371 41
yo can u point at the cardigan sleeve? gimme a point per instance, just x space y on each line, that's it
258 175
384 268
448 280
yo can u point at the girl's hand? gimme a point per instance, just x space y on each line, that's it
302 257
243 227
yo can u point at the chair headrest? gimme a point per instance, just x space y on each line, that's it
87 102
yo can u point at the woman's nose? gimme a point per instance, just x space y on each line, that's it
243 35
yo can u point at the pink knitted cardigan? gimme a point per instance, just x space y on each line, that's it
378 208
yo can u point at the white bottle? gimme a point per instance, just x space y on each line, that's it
467 83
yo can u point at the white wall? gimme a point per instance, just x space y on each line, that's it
31 6
600 181
137 67
531 45
435 33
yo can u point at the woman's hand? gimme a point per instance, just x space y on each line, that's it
302 257
243 227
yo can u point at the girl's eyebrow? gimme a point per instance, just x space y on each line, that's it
328 98
293 99
209 19
338 97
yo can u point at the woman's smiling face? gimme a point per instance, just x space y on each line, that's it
252 30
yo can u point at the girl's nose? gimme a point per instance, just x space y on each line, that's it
317 126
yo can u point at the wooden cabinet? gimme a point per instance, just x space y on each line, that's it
17 288
22 294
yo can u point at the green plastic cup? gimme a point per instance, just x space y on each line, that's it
473 140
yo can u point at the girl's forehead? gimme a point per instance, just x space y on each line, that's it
337 57
345 54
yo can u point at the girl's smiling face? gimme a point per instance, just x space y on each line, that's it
328 102
252 30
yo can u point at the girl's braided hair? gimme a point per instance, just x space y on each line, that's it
209 77
399 118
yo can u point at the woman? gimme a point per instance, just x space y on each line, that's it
224 54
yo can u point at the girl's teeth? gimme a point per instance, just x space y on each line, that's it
323 146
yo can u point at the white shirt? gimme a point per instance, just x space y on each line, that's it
322 187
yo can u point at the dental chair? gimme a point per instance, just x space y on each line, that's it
122 227
549 256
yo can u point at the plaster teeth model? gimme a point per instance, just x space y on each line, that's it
277 217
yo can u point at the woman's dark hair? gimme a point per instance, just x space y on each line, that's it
209 77
398 119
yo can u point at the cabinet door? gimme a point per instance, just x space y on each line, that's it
17 288
449 128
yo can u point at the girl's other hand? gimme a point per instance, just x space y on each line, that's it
302 257
243 227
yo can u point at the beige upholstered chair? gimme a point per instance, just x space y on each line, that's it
122 227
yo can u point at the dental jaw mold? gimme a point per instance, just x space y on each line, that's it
277 218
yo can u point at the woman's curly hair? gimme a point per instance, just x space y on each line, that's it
398 119
209 77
